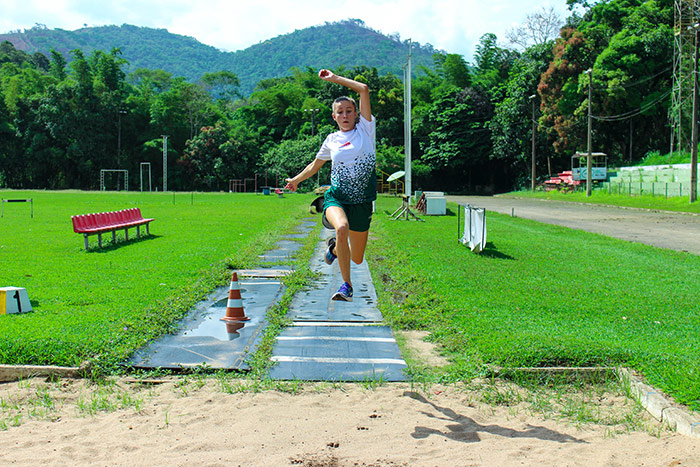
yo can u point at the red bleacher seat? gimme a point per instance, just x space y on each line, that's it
99 223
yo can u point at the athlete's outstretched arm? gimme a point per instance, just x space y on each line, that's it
361 88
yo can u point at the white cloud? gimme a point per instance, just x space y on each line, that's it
451 25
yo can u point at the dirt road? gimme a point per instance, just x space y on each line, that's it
663 229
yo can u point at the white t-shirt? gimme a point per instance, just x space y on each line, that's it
353 157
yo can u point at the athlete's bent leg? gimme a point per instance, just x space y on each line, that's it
358 244
336 216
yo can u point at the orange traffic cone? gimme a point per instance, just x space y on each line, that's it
234 307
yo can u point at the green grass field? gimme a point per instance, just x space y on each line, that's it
540 295
543 295
102 305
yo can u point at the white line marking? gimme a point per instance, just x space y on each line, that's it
197 353
386 361
335 338
261 283
332 323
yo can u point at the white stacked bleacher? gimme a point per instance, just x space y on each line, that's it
659 180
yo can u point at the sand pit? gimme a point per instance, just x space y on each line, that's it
207 421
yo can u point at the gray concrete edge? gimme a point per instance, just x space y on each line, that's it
659 406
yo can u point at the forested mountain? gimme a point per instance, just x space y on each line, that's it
324 46
62 121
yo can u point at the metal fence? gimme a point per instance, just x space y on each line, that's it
665 189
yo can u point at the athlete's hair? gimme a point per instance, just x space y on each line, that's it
344 99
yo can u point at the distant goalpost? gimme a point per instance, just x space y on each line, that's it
146 166
123 172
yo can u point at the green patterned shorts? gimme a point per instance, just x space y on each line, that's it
359 215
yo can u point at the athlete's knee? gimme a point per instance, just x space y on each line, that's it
357 256
342 230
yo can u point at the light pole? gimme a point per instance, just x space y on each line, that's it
165 163
589 163
534 129
407 123
119 137
694 144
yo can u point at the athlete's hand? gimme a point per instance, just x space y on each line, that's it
291 184
326 75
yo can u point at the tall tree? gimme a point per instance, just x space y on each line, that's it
9 54
458 144
57 69
204 160
492 66
290 156
632 84
511 126
626 44
82 74
150 81
539 28
222 85
559 90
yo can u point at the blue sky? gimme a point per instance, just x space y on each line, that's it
451 25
